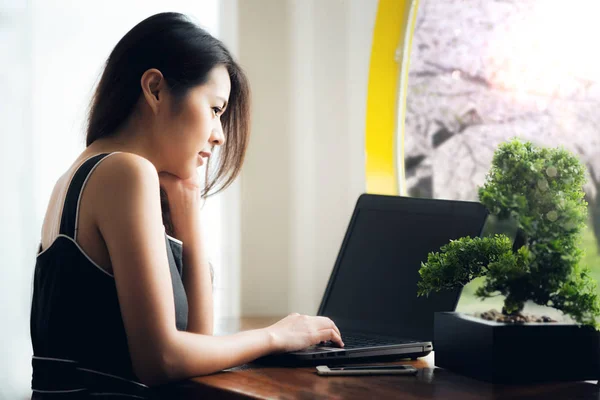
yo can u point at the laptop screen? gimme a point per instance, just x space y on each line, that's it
374 285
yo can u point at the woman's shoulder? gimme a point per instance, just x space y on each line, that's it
121 176
118 161
123 165
120 173
123 191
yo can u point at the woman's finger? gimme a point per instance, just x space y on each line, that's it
324 322
329 334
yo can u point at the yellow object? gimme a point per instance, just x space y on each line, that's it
386 97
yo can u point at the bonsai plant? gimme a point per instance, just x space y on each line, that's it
541 190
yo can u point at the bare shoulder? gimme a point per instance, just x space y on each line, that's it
124 182
127 168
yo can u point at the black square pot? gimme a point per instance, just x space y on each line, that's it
501 352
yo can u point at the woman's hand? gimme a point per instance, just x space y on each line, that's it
297 332
184 202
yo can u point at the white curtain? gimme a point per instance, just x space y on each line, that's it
52 54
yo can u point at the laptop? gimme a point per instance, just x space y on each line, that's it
372 291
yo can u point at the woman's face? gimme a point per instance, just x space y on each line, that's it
188 136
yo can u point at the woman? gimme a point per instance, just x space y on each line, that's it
122 289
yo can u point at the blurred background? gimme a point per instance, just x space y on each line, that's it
493 70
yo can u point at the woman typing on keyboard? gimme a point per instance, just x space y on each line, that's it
122 289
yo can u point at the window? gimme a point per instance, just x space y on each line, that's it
483 72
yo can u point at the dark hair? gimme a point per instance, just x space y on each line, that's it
184 53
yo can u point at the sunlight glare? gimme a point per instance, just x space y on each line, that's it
549 51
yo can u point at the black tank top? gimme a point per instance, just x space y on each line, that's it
79 342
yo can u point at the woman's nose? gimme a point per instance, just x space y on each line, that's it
218 137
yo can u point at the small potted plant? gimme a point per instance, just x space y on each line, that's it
541 191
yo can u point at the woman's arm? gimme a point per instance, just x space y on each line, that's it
126 208
195 354
184 211
197 278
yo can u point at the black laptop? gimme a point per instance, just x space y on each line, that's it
372 291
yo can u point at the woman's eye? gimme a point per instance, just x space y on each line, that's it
217 111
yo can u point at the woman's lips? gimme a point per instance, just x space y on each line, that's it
201 156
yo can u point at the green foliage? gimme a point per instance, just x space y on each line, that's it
542 190
469 259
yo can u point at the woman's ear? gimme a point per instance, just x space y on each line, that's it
153 86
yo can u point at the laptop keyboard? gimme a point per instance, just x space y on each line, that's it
353 341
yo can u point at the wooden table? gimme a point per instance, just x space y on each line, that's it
259 382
